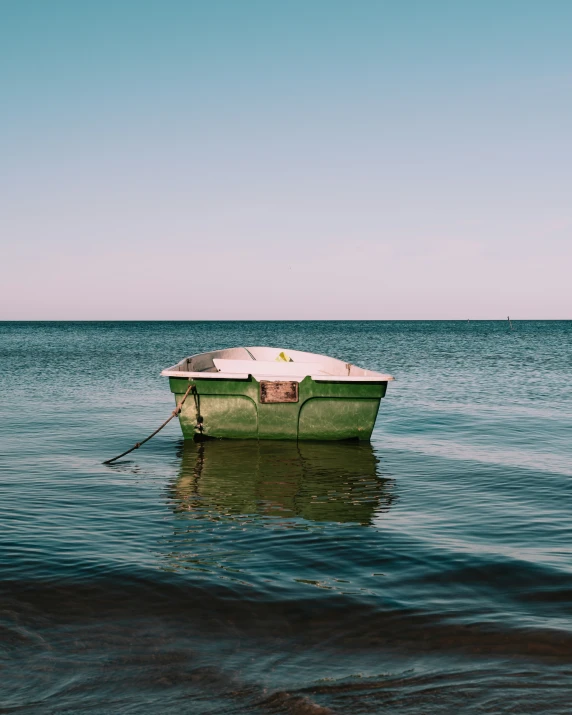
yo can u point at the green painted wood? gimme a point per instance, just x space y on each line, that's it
338 417
324 411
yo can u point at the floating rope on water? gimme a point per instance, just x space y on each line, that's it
175 413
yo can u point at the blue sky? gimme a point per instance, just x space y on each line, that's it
287 160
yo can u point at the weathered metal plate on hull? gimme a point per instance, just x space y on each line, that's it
271 391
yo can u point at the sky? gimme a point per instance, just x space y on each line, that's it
296 159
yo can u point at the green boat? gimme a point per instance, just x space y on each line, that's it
273 393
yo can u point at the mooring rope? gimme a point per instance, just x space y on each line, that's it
175 412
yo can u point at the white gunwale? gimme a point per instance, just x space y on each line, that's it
319 368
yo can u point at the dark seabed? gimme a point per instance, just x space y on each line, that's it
428 572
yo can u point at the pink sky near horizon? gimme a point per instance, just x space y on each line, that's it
301 162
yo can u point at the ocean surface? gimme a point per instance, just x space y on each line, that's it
427 572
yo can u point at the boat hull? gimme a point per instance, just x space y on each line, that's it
240 409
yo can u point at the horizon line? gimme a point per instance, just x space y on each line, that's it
278 320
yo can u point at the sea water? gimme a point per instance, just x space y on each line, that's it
427 572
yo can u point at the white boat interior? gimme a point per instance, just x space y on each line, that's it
271 364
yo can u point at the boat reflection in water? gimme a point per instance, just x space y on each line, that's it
325 482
